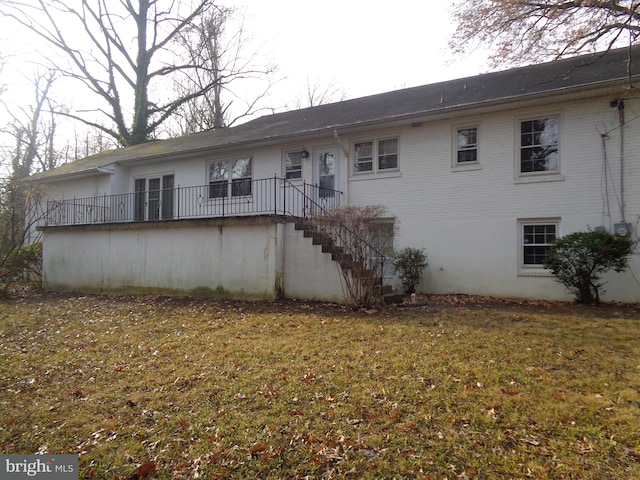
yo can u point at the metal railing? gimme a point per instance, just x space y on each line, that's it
269 196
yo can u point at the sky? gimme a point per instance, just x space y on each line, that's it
363 47
360 47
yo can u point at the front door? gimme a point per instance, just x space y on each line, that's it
326 172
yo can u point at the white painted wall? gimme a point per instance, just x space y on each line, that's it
243 260
308 272
466 219
89 186
238 260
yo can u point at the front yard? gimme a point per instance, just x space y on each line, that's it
215 389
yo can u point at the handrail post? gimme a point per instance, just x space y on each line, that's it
177 212
284 197
275 194
304 199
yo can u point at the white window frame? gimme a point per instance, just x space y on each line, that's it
455 148
542 175
533 269
385 226
285 159
230 177
375 155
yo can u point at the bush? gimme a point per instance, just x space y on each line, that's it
409 264
579 259
24 261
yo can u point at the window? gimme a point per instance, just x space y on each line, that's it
388 154
327 173
536 238
364 157
375 156
466 145
382 236
236 173
539 145
241 177
293 165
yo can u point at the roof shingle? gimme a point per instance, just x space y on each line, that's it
586 71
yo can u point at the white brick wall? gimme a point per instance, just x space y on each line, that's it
467 220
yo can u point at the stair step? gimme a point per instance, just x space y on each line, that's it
325 242
332 249
342 257
389 298
301 225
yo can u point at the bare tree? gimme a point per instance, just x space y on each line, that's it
20 256
3 87
223 62
124 52
31 134
317 93
521 31
32 129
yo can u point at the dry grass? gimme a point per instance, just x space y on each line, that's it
292 390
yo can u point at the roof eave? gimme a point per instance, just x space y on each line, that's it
569 93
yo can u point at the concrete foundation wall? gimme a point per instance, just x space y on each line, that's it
309 273
253 259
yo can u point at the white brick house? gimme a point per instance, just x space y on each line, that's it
481 172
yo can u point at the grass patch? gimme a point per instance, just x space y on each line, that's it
223 389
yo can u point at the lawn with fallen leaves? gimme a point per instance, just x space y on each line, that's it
214 389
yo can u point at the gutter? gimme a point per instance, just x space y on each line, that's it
100 170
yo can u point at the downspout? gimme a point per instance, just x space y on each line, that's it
337 137
621 119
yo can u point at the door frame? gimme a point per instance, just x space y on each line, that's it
333 148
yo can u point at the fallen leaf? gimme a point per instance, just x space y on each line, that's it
258 448
143 472
632 453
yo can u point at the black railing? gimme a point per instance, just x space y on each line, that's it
269 196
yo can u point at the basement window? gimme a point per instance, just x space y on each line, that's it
535 239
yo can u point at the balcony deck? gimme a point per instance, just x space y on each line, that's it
269 196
